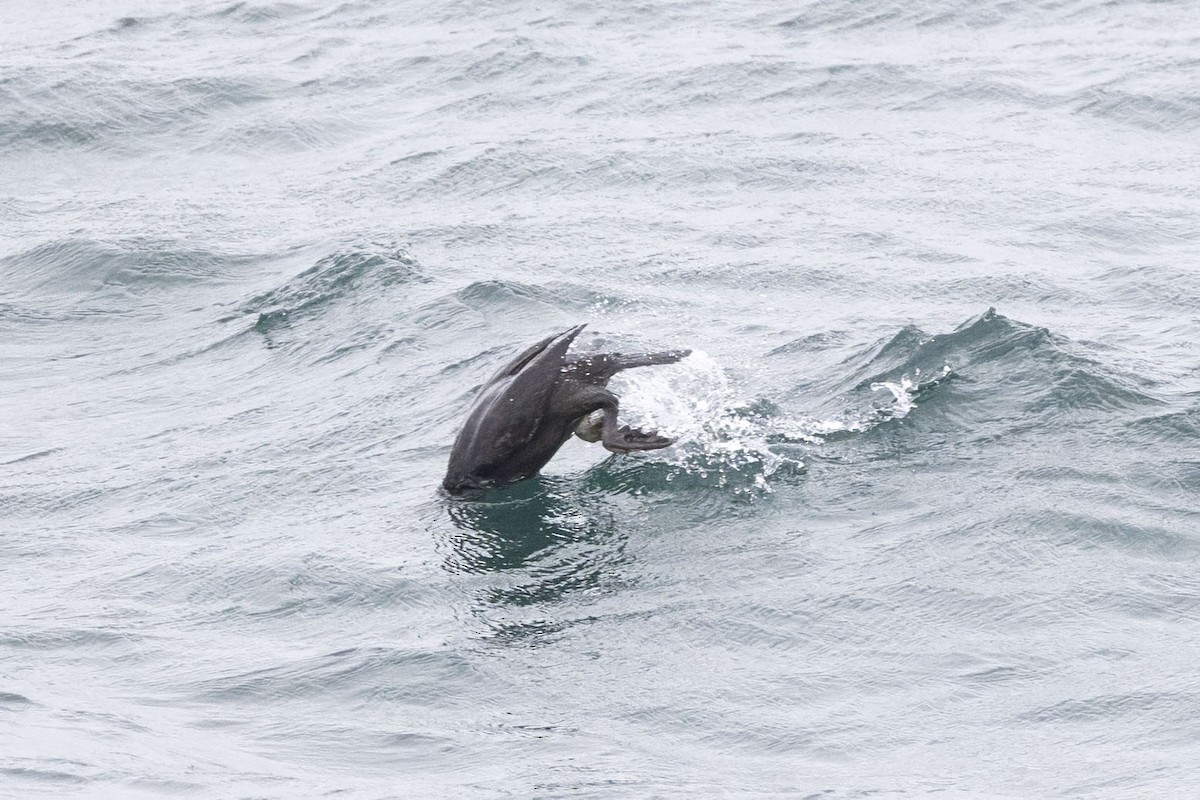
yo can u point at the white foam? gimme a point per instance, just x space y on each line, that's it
694 403
717 434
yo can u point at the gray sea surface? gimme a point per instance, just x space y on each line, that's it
931 526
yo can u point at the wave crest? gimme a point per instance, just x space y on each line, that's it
333 278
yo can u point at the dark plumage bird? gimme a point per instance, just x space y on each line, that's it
529 409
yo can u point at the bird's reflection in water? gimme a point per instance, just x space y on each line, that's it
545 539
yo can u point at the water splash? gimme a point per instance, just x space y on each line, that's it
720 440
905 392
723 439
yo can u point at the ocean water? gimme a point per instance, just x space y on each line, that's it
931 526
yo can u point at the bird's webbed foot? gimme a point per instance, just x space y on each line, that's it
626 439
